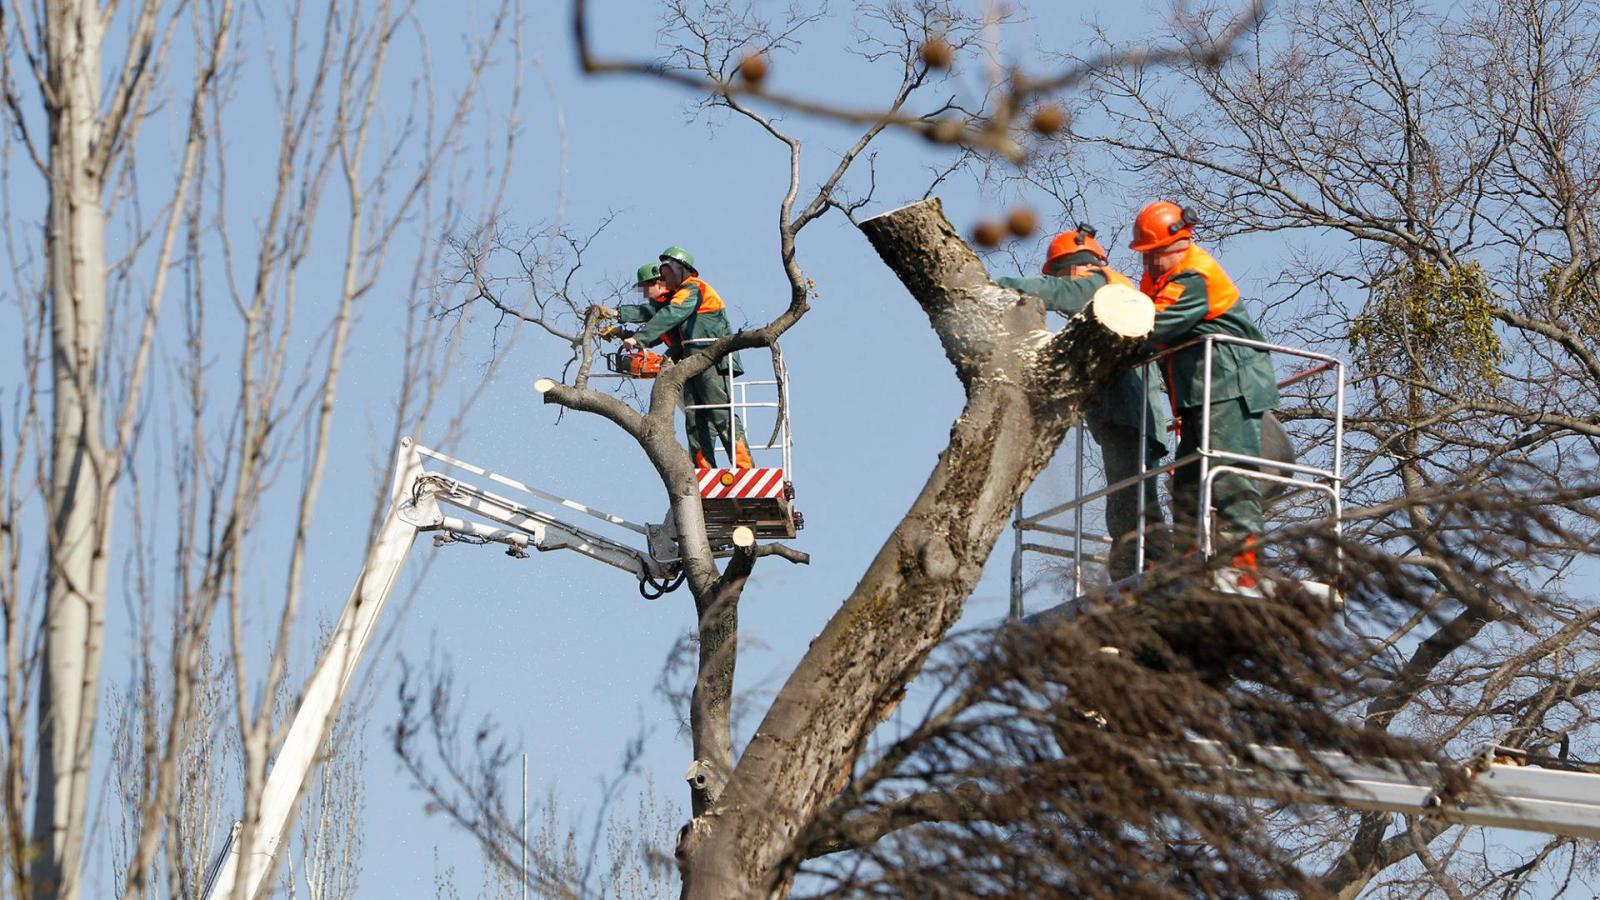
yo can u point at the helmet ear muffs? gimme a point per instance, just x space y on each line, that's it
1185 220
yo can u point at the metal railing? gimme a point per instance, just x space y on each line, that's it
1298 477
740 406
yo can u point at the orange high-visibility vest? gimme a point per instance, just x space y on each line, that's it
1221 293
710 300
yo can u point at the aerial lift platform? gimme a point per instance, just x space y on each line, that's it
759 498
1495 787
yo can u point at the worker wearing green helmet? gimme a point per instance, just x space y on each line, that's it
648 282
691 314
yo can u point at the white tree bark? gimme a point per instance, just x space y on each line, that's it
79 498
80 145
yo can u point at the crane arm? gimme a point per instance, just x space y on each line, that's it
296 759
539 530
415 500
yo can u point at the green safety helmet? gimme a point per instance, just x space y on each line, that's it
680 255
647 273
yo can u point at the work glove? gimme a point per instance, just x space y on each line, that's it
630 343
604 312
613 332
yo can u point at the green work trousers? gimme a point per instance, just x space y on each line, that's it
1235 498
1119 450
705 426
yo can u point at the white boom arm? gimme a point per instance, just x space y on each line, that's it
415 497
1524 797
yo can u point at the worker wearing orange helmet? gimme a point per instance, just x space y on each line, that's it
1194 297
1076 267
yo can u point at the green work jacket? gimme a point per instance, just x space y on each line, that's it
690 314
636 313
1235 371
1126 399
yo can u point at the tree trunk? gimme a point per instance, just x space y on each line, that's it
79 502
1024 387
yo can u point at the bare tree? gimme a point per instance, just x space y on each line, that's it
88 140
120 366
193 827
329 837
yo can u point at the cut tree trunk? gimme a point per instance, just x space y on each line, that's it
1024 388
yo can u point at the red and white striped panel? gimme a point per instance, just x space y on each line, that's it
740 483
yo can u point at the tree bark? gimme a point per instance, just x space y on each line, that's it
80 473
1024 388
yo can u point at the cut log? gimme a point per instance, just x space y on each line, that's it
1123 311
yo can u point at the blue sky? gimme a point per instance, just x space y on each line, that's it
561 650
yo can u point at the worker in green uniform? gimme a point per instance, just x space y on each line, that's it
654 292
1074 269
692 312
1194 297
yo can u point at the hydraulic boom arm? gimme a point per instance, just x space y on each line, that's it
415 500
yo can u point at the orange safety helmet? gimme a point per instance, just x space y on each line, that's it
1159 224
1072 243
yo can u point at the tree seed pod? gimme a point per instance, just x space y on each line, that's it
753 68
937 53
1022 222
988 235
946 131
1048 119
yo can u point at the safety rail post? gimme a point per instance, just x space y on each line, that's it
780 372
1077 517
1144 464
1338 465
1202 513
1016 561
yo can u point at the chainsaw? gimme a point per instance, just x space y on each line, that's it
639 363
